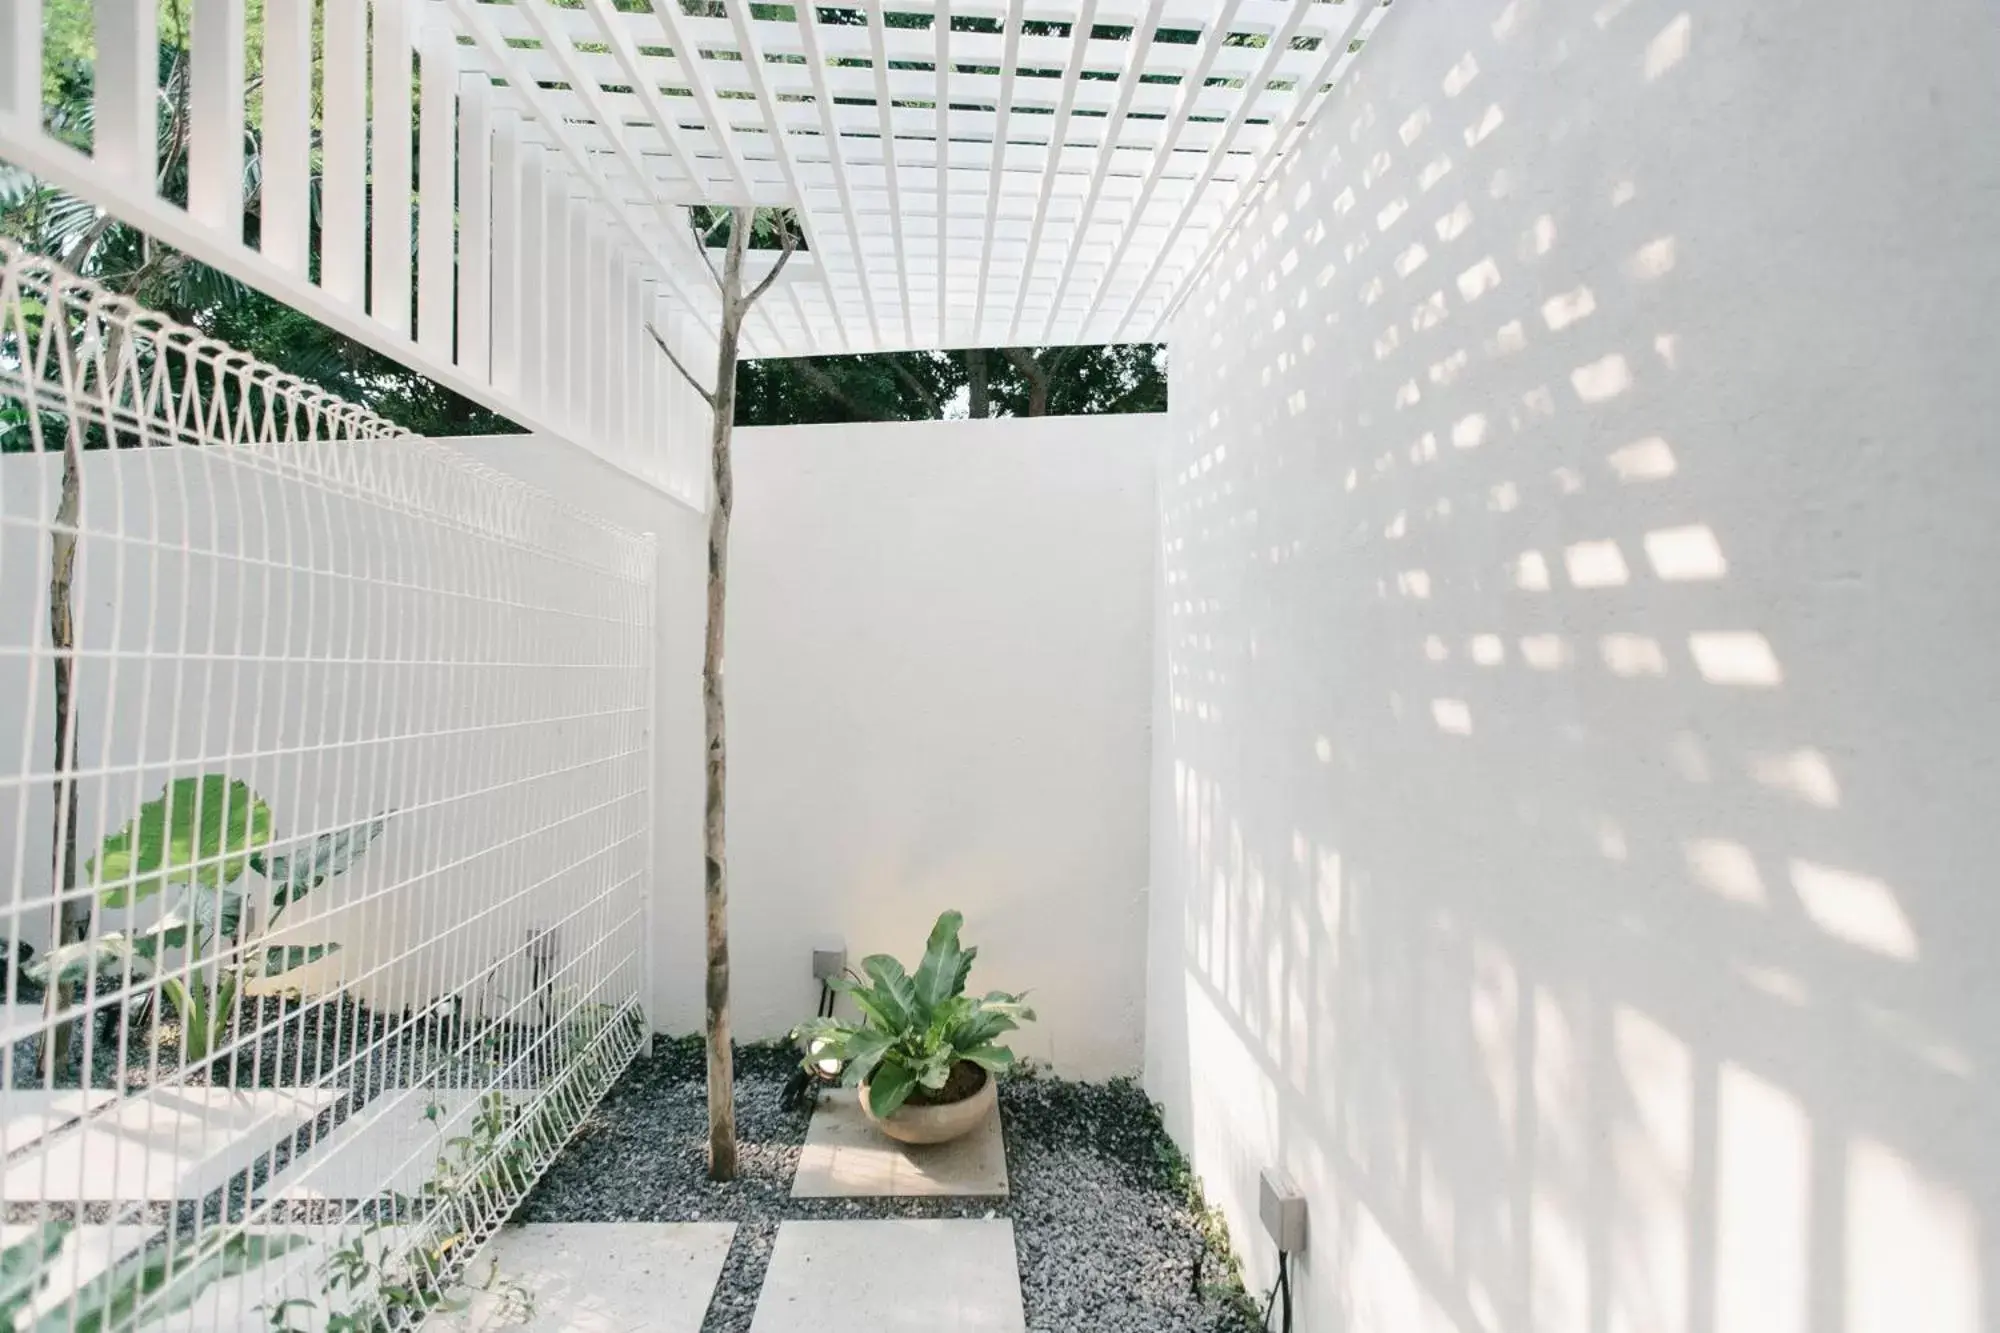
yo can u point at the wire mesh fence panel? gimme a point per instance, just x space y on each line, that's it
324 806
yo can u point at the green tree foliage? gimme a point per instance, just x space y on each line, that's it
927 386
891 386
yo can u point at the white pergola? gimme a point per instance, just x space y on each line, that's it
967 172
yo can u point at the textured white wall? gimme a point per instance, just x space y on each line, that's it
939 696
1574 763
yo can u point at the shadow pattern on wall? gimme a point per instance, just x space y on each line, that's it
1566 847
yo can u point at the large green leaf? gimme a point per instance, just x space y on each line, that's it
302 866
891 1086
862 1052
942 973
995 1058
894 991
201 830
878 1009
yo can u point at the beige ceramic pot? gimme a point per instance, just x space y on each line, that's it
936 1124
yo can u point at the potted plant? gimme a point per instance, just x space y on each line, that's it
923 1052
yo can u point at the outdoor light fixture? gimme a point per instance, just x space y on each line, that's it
828 1067
815 1069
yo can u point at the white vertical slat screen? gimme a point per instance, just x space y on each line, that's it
126 88
437 192
287 161
510 216
475 226
344 148
390 718
20 57
389 175
215 113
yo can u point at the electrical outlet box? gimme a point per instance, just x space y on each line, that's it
1283 1211
830 962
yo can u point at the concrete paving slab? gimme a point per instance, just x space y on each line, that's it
594 1277
893 1276
846 1157
28 1114
162 1144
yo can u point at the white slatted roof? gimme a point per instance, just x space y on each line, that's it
970 173
1052 178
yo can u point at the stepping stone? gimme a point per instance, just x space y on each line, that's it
593 1277
28 1114
846 1157
163 1144
389 1144
868 1277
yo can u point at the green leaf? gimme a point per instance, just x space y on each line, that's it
894 991
935 1071
890 1088
878 1009
995 1058
200 830
942 973
304 865
863 1052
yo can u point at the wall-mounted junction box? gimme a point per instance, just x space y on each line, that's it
829 962
1283 1211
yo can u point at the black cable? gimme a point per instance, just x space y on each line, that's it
1281 1287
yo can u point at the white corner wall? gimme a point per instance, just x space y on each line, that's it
939 667
1573 823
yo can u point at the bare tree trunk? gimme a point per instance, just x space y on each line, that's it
1038 379
72 913
721 1059
736 303
979 388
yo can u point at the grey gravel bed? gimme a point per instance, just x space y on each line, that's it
1108 1237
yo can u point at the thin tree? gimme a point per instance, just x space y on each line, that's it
721 400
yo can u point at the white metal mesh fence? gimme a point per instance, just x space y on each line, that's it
324 810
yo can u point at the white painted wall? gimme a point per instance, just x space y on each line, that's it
1574 760
939 696
681 535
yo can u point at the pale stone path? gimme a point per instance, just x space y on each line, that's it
162 1144
589 1277
594 1277
824 1276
